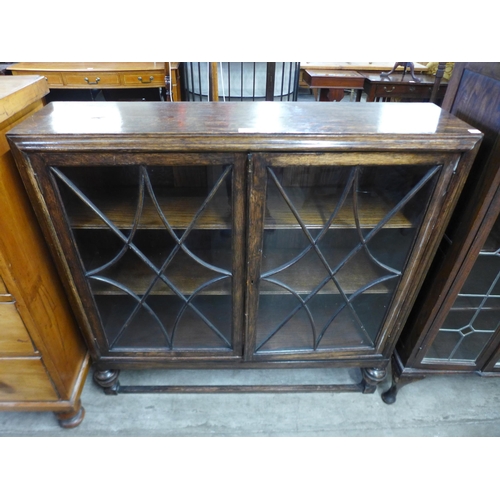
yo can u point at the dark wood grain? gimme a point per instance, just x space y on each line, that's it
379 87
474 96
318 147
273 125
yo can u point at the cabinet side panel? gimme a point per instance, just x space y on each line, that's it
32 279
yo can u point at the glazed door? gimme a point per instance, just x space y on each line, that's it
156 245
331 251
471 328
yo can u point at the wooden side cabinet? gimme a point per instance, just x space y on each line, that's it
43 359
455 324
101 75
243 235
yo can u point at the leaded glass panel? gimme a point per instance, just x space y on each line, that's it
156 247
335 244
475 315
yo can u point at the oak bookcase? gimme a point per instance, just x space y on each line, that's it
243 235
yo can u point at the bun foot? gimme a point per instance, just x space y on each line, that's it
71 419
372 377
108 380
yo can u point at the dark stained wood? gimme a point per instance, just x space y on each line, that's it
106 143
437 81
292 126
334 79
379 87
237 389
256 193
473 95
270 79
331 84
239 242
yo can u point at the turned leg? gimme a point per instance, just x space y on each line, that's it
398 382
108 380
389 396
72 418
372 377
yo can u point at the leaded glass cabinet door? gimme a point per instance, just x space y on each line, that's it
472 325
327 266
159 240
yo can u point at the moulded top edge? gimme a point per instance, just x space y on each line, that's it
243 143
246 121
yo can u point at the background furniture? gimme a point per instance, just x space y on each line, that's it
363 67
396 86
331 84
239 81
43 360
440 71
252 235
98 75
455 324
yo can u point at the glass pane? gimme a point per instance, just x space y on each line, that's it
156 246
335 244
475 315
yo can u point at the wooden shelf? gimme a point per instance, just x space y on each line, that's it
185 273
179 210
297 334
316 206
144 332
314 210
308 272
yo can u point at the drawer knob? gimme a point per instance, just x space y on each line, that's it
389 90
151 78
97 80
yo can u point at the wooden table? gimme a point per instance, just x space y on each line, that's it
357 66
386 88
334 92
331 83
99 75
